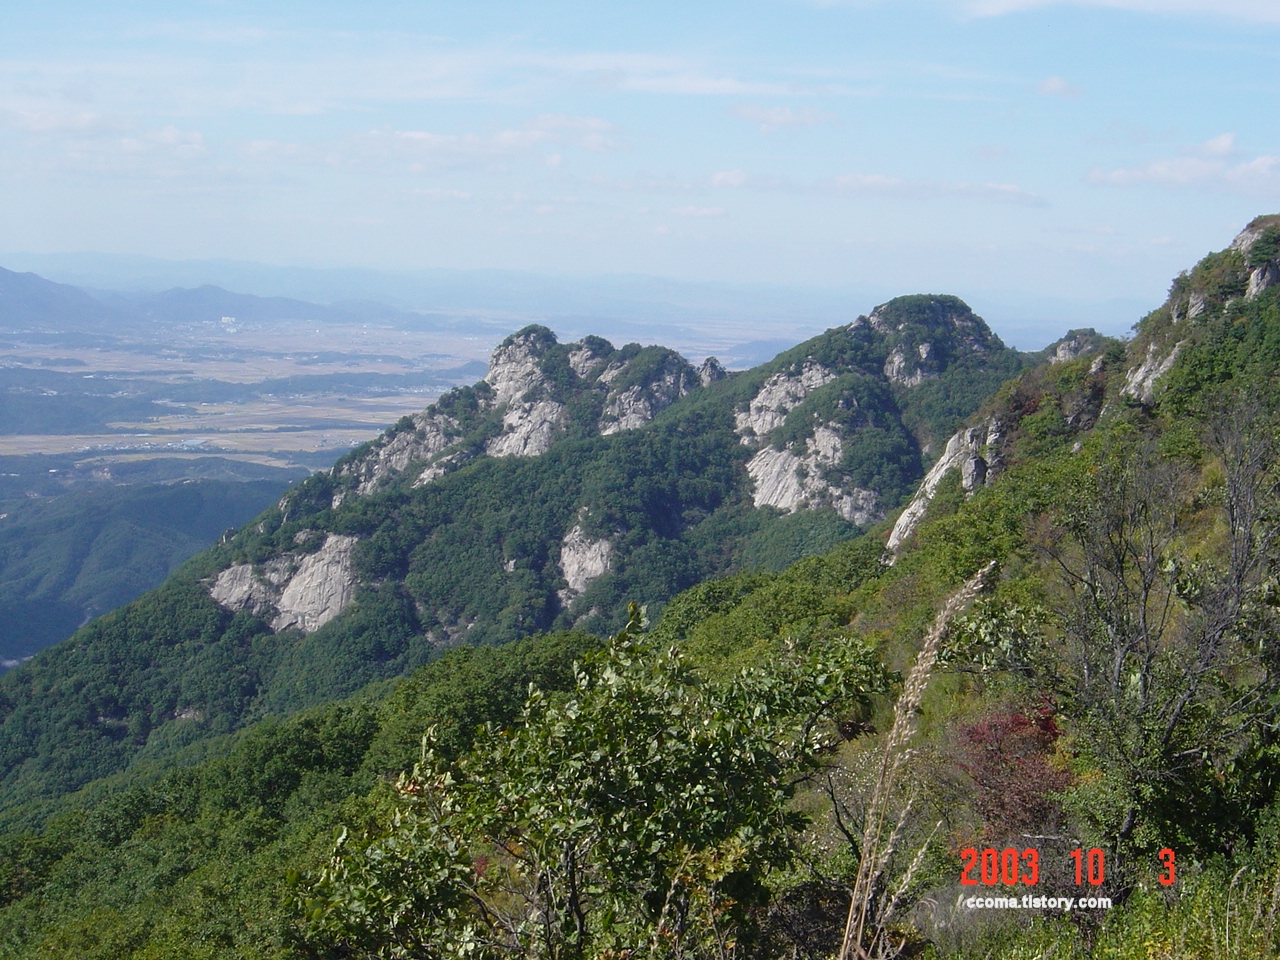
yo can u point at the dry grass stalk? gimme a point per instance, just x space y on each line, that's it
876 848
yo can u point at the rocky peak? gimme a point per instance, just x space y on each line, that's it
526 395
1075 344
711 371
923 334
1259 242
923 319
588 357
515 366
1254 231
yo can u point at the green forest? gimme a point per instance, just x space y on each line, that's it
67 558
763 735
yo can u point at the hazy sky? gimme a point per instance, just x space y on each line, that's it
1078 150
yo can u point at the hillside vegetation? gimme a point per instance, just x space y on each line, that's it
789 761
571 480
68 558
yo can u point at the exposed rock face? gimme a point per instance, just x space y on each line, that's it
711 371
1068 350
528 429
1261 277
627 410
441 466
513 367
295 591
321 589
534 410
975 452
1140 383
1265 274
896 367
637 405
585 361
583 560
776 398
240 587
1250 235
394 451
792 483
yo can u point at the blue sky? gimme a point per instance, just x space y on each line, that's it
1000 149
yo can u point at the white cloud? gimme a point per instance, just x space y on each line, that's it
1223 145
418 150
169 140
1214 163
1057 87
587 133
423 148
50 121
881 185
776 118
1257 11
729 178
699 212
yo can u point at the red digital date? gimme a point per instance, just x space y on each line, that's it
1009 867
1005 866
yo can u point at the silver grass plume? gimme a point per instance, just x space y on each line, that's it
876 848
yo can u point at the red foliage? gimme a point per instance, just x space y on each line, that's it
1007 758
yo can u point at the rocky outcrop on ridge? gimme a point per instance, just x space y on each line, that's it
791 483
805 421
629 407
522 407
821 428
975 452
781 393
1200 297
1259 242
1140 381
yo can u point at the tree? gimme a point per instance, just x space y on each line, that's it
1169 674
638 816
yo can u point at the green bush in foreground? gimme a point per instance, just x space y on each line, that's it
639 816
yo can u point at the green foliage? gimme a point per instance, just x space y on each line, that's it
1240 349
467 689
1266 248
175 657
204 852
72 557
643 812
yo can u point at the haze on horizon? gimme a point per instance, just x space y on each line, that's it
1053 163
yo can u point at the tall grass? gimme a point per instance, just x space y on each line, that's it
865 932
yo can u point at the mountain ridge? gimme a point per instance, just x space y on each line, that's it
573 477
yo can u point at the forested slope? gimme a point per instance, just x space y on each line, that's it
573 478
1104 678
68 558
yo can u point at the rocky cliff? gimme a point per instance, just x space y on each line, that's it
1212 292
576 476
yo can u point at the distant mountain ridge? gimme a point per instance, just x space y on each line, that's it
30 301
1114 687
572 478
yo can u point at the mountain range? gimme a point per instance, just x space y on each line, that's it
1107 680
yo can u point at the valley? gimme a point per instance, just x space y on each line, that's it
605 654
